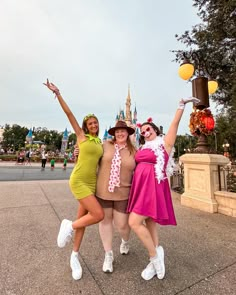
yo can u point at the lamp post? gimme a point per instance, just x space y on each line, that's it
226 148
13 137
202 86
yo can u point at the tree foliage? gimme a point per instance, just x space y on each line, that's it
14 137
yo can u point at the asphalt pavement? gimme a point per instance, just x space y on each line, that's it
10 171
200 253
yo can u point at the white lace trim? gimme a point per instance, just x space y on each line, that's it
157 146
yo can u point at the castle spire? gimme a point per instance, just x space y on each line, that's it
135 115
128 118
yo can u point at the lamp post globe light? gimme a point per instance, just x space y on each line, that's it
201 120
226 148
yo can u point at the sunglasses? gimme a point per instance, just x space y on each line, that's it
147 130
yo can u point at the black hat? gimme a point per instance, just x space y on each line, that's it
119 125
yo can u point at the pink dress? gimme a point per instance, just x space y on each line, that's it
148 196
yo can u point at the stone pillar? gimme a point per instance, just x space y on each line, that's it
201 180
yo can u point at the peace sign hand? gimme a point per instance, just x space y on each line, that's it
52 87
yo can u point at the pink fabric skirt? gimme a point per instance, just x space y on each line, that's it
147 196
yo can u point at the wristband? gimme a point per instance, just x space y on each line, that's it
56 92
181 105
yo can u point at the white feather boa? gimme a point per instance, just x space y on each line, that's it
157 146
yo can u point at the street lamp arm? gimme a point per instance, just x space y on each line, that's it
200 63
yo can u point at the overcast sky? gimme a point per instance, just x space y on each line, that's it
92 50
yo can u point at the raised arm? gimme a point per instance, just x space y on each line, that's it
75 125
170 137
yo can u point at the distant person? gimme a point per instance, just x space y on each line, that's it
82 182
21 157
150 200
52 162
64 163
44 157
28 157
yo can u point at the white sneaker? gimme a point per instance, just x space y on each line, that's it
158 263
124 247
108 262
65 233
75 266
160 254
149 272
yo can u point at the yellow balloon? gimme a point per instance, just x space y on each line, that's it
212 86
186 71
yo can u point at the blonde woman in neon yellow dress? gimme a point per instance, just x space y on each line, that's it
82 182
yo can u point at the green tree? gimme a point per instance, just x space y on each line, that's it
184 144
51 138
14 136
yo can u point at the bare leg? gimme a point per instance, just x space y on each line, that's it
106 229
94 215
136 223
79 232
121 223
152 227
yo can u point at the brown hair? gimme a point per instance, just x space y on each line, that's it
84 124
156 129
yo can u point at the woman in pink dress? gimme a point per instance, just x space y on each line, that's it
150 198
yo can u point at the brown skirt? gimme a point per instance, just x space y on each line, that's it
119 206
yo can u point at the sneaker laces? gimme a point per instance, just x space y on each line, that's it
69 236
124 247
108 258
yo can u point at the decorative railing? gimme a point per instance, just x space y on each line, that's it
177 180
227 178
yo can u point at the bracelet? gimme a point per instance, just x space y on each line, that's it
181 105
56 92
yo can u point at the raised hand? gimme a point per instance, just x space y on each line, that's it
183 101
191 99
52 87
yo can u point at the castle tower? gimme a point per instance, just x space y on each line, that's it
135 116
64 141
105 136
29 137
128 115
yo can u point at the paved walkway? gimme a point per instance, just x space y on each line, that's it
200 251
32 164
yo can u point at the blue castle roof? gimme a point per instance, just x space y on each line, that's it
105 136
30 133
65 134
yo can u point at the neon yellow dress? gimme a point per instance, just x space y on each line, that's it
84 175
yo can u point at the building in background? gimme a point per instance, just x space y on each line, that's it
64 142
129 117
29 137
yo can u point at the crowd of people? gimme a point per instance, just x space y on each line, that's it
117 185
26 156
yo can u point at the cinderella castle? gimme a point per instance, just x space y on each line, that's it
130 119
